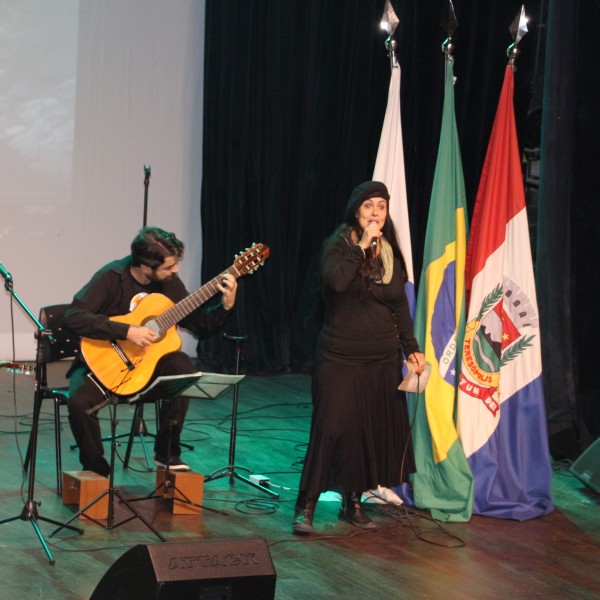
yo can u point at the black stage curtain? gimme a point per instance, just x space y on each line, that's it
567 279
295 94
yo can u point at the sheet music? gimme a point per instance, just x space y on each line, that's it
195 385
212 385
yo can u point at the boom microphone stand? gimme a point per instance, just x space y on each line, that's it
30 510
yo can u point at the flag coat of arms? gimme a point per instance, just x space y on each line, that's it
443 482
501 413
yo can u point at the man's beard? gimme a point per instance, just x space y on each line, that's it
154 279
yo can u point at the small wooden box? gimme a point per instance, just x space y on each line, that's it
183 485
81 487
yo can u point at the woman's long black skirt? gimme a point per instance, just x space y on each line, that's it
360 433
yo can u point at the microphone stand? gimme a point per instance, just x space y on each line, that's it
30 510
138 422
138 427
147 171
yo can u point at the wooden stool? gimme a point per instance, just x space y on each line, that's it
81 487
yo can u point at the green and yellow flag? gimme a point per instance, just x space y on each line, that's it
443 483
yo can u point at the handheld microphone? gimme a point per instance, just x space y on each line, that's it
5 274
374 240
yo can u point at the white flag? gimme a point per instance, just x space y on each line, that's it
389 168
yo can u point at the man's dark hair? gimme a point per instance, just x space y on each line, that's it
153 245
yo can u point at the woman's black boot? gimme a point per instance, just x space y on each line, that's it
303 516
352 512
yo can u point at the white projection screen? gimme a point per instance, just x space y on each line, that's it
91 93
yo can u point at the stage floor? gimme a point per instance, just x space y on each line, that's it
408 556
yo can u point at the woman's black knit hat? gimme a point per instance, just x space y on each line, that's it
362 192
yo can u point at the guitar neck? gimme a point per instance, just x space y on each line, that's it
184 307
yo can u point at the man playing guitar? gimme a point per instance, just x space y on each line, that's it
111 312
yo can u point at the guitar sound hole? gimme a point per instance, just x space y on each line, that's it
152 324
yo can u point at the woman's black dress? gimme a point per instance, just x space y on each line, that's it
360 434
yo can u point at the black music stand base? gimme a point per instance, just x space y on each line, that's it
233 475
168 484
111 492
165 388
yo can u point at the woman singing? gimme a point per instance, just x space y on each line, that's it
360 433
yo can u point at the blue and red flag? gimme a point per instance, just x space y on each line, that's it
501 413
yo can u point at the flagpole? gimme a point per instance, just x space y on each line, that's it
448 50
450 25
443 483
389 169
390 46
389 164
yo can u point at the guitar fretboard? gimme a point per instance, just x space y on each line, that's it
184 307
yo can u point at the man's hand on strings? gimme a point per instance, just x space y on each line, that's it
228 287
141 336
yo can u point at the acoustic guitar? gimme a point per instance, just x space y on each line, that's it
125 368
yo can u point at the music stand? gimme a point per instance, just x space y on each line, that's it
212 385
206 385
230 469
161 388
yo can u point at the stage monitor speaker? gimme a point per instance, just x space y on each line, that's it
202 570
587 466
